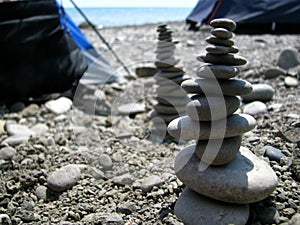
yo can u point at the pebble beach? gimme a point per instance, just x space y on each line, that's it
93 161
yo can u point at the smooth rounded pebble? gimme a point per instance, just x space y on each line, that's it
218 151
226 59
131 109
166 117
64 178
260 92
255 108
274 73
217 71
291 81
149 182
209 108
167 88
221 33
224 23
219 50
218 41
173 101
167 75
193 208
230 87
273 154
288 58
164 109
7 153
59 106
188 129
246 179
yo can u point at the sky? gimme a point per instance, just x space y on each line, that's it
131 3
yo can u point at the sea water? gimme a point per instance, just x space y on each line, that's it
114 17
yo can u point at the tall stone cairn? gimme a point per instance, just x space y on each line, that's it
222 177
171 97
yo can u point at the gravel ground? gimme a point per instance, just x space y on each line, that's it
121 173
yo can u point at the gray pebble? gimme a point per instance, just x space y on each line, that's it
224 23
227 59
291 81
255 108
260 92
7 153
218 41
274 73
288 58
125 179
274 154
149 182
105 161
64 178
41 192
221 33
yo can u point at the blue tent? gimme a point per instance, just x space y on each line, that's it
255 16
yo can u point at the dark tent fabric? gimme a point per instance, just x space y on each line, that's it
255 16
37 55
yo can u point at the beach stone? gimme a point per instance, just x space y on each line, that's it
229 87
41 192
255 108
17 129
167 62
105 161
291 81
217 71
221 33
188 129
7 153
103 218
246 178
219 49
166 117
193 208
173 101
167 75
165 49
179 92
17 107
295 220
218 41
131 109
164 55
207 108
59 106
296 163
273 154
64 178
223 23
164 109
168 88
274 73
15 140
226 59
149 182
288 58
124 179
260 92
217 152
40 129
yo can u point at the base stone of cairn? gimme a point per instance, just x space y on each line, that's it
222 177
171 97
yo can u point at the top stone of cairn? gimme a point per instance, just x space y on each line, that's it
223 23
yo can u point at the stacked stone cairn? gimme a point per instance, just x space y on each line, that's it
221 177
171 97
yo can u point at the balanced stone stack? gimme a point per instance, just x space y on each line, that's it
222 177
171 97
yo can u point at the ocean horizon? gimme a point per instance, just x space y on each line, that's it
128 16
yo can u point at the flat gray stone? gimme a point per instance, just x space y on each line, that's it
166 117
209 108
223 23
288 58
16 129
218 41
221 33
218 151
165 55
175 80
149 182
274 73
260 92
131 109
255 108
165 49
64 178
193 208
167 75
219 49
15 140
173 101
177 92
188 129
40 129
217 71
246 179
226 59
230 87
167 87
164 109
7 153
